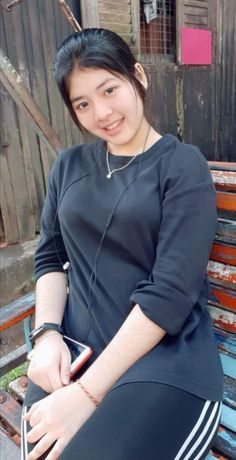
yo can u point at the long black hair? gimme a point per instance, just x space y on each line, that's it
94 48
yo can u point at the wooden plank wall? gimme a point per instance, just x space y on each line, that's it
182 103
190 13
225 82
30 35
196 13
122 17
197 103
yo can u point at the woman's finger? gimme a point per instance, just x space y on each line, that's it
35 418
56 450
42 446
36 433
41 380
65 368
54 379
31 411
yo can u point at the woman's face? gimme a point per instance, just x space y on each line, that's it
109 107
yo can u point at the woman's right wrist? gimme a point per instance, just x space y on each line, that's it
45 335
40 330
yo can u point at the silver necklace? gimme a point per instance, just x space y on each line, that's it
110 172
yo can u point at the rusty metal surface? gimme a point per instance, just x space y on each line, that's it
18 387
222 165
223 319
222 297
226 201
10 411
224 179
225 253
17 310
222 274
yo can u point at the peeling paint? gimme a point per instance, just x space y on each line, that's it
227 437
225 178
223 271
227 317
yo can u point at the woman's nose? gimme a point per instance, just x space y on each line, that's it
101 112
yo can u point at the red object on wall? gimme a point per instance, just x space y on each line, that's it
196 46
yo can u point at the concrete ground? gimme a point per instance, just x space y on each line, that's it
16 271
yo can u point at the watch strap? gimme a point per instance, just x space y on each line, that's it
36 333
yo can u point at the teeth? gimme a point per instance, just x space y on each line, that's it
114 125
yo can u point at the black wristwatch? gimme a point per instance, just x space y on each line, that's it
36 333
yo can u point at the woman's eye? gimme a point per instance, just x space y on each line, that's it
110 90
82 106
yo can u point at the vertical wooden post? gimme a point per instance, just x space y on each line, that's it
179 24
135 20
180 105
89 13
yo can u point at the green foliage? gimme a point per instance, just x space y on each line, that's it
12 375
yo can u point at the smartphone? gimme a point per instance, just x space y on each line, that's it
24 444
80 354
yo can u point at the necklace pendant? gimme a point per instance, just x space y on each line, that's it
108 175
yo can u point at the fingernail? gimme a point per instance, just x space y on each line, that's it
66 380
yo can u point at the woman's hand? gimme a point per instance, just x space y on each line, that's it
49 367
56 418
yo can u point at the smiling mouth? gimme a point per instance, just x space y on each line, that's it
114 125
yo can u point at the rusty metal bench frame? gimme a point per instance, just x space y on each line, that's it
222 306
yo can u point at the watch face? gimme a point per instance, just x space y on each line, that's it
44 327
36 332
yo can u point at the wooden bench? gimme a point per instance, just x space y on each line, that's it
222 306
21 309
222 301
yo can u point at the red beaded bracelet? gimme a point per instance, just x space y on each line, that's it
94 400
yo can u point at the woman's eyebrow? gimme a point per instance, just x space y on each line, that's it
104 82
77 98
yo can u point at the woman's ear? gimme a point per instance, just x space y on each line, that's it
140 74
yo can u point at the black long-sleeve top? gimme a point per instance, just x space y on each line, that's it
142 237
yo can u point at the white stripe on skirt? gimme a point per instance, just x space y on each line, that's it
211 435
195 429
203 433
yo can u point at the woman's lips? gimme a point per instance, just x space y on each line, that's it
114 128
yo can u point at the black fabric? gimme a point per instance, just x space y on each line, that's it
141 421
143 236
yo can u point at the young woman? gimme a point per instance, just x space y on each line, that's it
134 215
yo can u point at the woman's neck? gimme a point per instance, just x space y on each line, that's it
143 140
